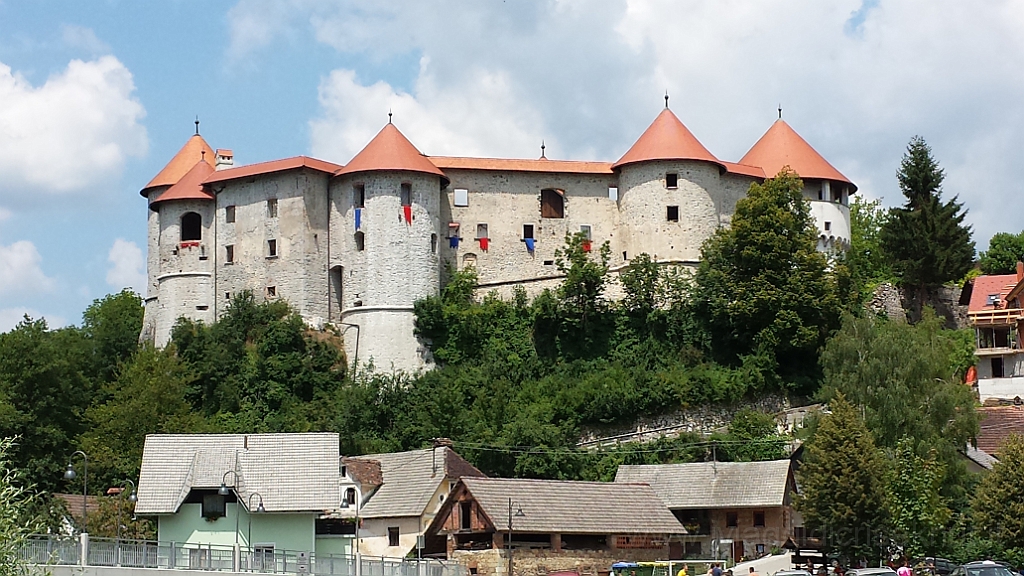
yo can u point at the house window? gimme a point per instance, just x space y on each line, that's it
360 241
692 549
466 515
271 248
358 195
585 230
613 193
732 519
671 180
191 226
271 291
213 506
481 231
229 254
350 496
552 203
263 558
344 471
997 367
406 194
229 214
527 231
272 208
461 197
759 519
828 226
393 536
672 213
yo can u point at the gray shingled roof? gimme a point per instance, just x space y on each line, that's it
713 484
557 506
410 480
291 472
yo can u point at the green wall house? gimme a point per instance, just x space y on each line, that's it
269 492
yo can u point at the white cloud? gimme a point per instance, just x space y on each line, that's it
71 133
127 266
20 271
83 38
5 214
10 317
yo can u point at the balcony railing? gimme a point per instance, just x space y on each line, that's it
1003 317
54 550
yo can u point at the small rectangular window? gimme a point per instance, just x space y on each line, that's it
585 230
549 262
271 291
527 231
227 295
358 195
552 203
613 193
759 519
672 214
997 367
393 536
229 214
671 180
461 197
406 194
732 519
481 231
272 208
360 241
466 515
229 253
271 248
828 226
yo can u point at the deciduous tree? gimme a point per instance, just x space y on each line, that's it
917 512
1004 251
999 500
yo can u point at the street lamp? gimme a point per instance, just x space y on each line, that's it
224 490
259 510
70 474
519 514
358 501
132 497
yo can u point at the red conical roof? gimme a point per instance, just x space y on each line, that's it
781 146
390 150
182 162
190 187
667 139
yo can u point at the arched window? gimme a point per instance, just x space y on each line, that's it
552 203
191 226
350 496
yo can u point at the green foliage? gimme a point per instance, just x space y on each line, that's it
926 240
111 327
907 380
917 512
114 510
753 436
999 500
842 481
865 259
15 524
1004 251
764 291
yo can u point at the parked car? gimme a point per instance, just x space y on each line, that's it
871 572
982 568
792 573
943 567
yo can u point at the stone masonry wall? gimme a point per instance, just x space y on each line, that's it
527 562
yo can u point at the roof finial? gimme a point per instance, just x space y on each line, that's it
666 98
780 111
542 147
197 125
389 115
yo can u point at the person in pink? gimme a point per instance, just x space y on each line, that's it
904 569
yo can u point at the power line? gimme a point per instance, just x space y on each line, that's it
616 448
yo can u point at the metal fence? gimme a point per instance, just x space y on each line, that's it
56 550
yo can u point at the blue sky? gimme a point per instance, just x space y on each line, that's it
96 97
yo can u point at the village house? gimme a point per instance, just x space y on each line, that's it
735 509
996 313
550 525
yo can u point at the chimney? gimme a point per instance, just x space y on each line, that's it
1020 271
225 159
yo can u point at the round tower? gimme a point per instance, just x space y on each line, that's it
827 190
670 192
385 235
181 242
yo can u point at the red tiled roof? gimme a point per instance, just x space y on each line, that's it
745 170
781 146
190 187
74 504
272 166
999 284
364 471
181 163
667 139
390 150
998 422
517 165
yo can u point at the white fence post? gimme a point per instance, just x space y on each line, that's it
83 539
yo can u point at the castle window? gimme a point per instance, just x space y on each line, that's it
191 227
433 243
552 203
360 241
461 197
585 230
826 190
672 214
358 195
671 180
613 193
229 214
271 291
227 295
271 248
272 208
828 226
406 194
481 231
527 231
229 254
468 260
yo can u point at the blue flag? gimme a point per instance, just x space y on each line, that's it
529 244
359 217
453 241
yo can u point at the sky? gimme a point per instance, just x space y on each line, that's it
95 97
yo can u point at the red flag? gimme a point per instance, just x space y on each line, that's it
483 244
408 214
586 245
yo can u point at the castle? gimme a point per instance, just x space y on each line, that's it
356 245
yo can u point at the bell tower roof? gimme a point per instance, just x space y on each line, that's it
195 150
390 150
190 186
781 146
667 139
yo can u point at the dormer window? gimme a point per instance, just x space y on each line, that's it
993 299
213 506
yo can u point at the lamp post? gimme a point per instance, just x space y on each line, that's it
132 497
519 514
358 503
259 510
70 474
224 490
